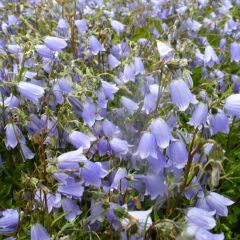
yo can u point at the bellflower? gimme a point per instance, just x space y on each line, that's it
138 66
113 61
199 115
210 57
235 51
214 202
71 188
109 89
79 139
162 132
38 232
181 95
95 45
119 146
117 26
147 146
13 135
82 26
232 105
219 123
55 43
30 91
165 51
129 105
178 154
8 221
71 209
128 73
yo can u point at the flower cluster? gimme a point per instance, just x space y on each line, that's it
109 115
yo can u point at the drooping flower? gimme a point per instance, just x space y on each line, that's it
71 209
138 66
199 115
147 146
129 105
95 45
79 139
38 232
82 26
128 73
117 26
55 43
30 91
71 188
165 51
178 154
109 129
72 156
113 61
109 89
210 57
43 51
155 185
8 221
181 95
235 51
119 146
219 123
13 135
162 132
232 105
214 202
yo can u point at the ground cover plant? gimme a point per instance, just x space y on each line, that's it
119 119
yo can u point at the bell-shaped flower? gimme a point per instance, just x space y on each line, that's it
79 139
181 95
118 179
235 51
92 173
13 135
71 188
215 202
82 26
232 105
162 132
117 26
202 234
88 113
95 45
119 146
113 61
178 154
72 156
129 105
210 57
71 209
128 73
109 129
30 91
138 66
26 151
219 123
55 43
43 51
155 186
8 221
38 232
165 51
109 89
201 218
199 115
147 146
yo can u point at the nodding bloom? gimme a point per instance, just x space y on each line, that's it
117 26
232 105
147 146
119 146
165 51
178 154
95 45
8 221
71 188
199 221
55 43
109 89
199 115
210 57
162 132
113 61
43 51
30 91
138 66
181 95
13 135
235 51
70 208
155 185
214 202
129 105
219 123
38 232
128 73
82 26
79 139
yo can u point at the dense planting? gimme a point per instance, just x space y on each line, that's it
119 119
